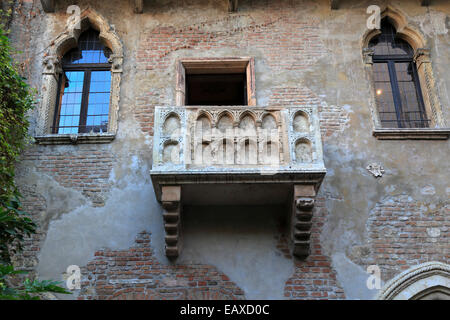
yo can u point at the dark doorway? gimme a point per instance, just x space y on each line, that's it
216 89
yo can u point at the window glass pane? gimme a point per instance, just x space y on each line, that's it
412 115
90 50
384 95
98 107
387 43
70 101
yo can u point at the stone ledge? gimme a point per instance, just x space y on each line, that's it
412 134
52 139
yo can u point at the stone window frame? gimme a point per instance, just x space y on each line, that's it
417 281
438 129
66 41
239 64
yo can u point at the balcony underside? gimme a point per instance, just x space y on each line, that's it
236 188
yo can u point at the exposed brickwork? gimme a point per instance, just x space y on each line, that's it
34 204
136 274
332 118
144 113
286 96
314 278
84 169
288 42
404 232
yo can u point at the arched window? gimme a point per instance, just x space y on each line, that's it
397 88
82 104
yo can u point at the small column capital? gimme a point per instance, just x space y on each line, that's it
368 55
52 65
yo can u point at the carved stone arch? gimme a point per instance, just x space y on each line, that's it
268 115
248 129
424 281
208 115
226 113
248 113
404 30
422 57
303 150
171 127
220 125
66 41
89 18
301 121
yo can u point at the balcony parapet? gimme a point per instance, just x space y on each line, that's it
237 139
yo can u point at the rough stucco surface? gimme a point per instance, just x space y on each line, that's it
304 54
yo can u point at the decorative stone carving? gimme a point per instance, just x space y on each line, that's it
412 283
52 66
303 152
171 202
368 56
375 169
116 61
304 197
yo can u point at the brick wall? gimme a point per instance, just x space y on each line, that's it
286 41
333 119
314 278
404 232
35 205
136 274
85 169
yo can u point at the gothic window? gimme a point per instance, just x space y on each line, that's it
396 81
83 101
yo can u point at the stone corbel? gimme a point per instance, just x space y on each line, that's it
171 202
303 203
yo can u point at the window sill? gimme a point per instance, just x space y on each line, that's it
412 134
83 138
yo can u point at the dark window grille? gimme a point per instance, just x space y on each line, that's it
84 88
397 88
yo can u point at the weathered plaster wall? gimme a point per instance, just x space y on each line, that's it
305 54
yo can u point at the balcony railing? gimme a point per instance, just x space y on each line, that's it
236 139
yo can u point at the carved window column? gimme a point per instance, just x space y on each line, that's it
368 65
423 63
171 202
116 73
50 76
303 204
